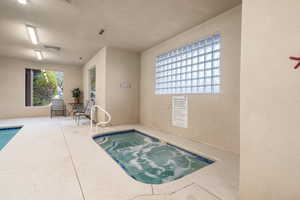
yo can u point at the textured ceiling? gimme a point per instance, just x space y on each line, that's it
130 24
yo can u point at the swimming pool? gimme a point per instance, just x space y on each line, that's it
149 160
6 134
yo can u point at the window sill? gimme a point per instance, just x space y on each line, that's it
38 106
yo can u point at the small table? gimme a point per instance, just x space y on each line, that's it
75 107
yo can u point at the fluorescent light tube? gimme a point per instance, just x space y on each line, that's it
24 2
39 54
31 30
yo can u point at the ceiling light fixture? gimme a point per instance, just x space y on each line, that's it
31 30
24 2
39 54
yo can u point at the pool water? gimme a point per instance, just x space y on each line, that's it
6 134
149 160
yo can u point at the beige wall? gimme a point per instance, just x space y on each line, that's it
213 119
12 87
115 67
270 101
123 68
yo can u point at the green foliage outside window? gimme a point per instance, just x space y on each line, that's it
45 87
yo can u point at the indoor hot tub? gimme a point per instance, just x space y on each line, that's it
148 159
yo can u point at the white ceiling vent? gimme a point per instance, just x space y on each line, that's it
53 48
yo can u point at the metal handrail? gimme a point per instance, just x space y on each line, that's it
103 122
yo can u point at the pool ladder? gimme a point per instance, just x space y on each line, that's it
101 123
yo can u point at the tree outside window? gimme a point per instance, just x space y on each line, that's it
42 86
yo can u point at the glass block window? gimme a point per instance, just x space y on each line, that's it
192 69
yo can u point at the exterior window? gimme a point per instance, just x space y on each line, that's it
41 86
92 83
192 69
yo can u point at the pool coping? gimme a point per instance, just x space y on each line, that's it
11 127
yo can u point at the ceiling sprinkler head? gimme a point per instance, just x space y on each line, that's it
101 32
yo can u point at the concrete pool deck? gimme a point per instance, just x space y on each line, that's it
55 159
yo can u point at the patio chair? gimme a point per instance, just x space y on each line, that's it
58 105
86 112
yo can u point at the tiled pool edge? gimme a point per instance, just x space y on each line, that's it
11 127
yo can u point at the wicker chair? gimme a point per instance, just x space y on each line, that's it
58 105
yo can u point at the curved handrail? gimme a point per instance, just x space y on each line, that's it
105 112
